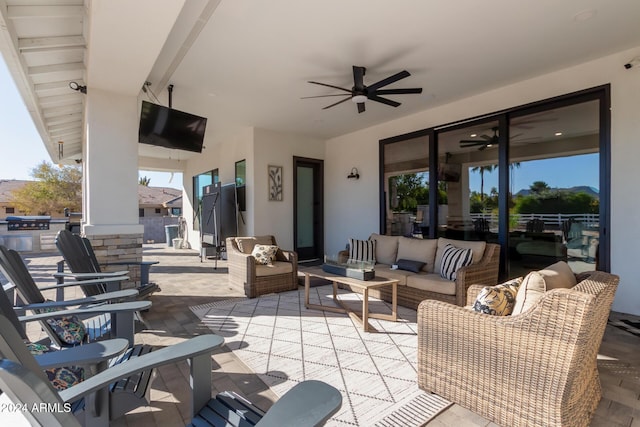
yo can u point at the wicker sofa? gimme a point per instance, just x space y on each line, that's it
427 284
253 279
537 368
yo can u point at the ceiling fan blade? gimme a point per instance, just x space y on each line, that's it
383 100
470 143
339 102
361 107
358 78
327 85
391 79
324 96
398 91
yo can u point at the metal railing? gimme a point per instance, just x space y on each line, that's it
553 221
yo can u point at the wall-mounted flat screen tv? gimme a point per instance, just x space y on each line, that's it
166 127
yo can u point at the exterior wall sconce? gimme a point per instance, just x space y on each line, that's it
354 174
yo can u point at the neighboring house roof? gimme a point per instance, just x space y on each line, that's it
147 196
7 186
154 196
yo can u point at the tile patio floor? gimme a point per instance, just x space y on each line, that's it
185 281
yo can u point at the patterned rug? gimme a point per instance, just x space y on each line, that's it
285 343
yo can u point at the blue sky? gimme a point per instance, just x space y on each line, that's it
558 172
21 146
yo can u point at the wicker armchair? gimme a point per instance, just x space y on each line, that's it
537 368
253 279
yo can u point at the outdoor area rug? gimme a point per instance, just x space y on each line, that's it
633 327
285 343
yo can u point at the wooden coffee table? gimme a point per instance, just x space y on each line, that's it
363 285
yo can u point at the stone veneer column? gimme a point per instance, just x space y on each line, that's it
115 248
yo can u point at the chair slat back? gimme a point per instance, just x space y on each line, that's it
6 309
74 251
14 268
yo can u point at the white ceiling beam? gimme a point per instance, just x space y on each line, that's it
64 119
37 43
64 126
54 88
56 73
60 100
62 111
66 133
22 12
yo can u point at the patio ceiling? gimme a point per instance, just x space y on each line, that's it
241 63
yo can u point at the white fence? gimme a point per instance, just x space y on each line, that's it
550 220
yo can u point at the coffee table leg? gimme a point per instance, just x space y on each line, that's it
394 302
365 309
307 284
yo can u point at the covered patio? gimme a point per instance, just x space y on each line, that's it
87 69
186 282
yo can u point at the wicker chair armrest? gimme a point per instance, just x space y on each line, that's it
288 256
485 272
472 293
241 265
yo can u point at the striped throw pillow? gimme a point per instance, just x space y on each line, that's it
454 259
362 250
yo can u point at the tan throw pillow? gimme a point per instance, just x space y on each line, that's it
246 244
536 283
423 250
530 291
264 254
498 300
558 275
386 248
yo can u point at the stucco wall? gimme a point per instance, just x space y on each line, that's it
353 211
275 148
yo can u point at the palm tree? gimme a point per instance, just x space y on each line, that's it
482 170
143 180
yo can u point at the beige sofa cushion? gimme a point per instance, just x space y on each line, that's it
277 267
536 283
384 270
431 283
423 250
246 244
386 248
476 247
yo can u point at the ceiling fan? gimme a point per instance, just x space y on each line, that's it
486 142
489 141
360 93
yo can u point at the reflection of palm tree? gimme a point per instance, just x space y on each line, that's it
482 170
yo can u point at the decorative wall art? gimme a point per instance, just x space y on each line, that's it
275 183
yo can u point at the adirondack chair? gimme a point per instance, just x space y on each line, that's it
117 322
309 403
70 365
81 260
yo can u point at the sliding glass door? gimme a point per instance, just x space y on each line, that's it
534 179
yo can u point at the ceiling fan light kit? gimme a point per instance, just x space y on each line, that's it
360 93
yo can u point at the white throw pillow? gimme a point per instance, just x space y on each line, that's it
264 254
454 259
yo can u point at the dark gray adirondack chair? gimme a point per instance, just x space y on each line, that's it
310 403
124 395
81 260
118 322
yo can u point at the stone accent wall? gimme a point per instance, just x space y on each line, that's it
115 248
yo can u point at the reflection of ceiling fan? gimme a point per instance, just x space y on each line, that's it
360 93
486 142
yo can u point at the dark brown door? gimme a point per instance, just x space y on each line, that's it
308 208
